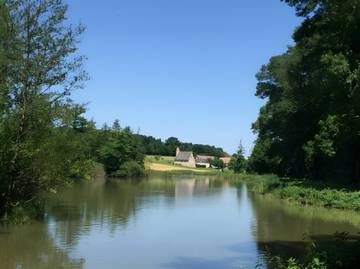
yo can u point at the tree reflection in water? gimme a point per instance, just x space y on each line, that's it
223 225
110 204
292 231
31 247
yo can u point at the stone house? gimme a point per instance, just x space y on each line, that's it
189 159
185 158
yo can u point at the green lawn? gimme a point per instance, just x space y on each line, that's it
169 160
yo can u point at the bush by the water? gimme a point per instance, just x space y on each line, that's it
130 169
120 153
332 198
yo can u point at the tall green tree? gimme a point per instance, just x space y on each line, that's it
116 125
39 69
238 160
310 125
172 143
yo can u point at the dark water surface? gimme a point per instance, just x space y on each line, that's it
183 222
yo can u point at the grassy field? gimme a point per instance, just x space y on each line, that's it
167 160
166 164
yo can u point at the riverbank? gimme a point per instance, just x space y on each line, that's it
303 192
336 251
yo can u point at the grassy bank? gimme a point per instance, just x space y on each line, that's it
304 192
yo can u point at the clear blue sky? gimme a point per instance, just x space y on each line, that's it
183 68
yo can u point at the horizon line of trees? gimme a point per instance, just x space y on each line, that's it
150 145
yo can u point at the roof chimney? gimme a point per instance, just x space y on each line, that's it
177 151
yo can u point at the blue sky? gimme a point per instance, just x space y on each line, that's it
183 68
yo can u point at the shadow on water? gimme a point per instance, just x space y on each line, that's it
293 231
337 253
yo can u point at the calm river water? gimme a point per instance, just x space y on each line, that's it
183 222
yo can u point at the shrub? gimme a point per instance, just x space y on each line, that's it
130 169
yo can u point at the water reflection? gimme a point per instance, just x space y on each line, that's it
289 231
183 222
32 247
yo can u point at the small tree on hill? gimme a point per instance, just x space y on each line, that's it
238 160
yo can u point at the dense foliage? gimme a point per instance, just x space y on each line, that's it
152 146
119 152
310 125
44 138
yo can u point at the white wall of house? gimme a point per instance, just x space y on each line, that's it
206 165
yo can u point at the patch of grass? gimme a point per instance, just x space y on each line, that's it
303 192
160 159
331 198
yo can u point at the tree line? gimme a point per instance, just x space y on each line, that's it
153 146
310 124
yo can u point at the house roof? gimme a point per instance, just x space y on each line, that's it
201 159
205 157
183 156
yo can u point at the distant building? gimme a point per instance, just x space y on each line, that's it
205 157
204 161
226 160
185 158
189 159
